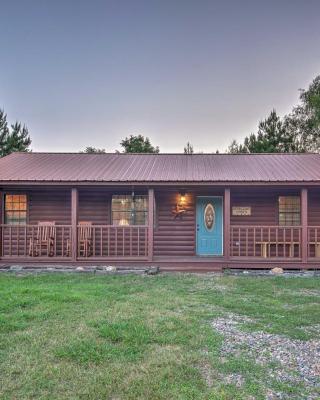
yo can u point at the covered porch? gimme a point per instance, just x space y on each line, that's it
83 224
70 225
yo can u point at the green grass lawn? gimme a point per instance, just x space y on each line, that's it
81 336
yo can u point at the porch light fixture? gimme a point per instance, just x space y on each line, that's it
182 197
180 209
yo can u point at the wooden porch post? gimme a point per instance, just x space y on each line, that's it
74 223
226 231
304 224
150 222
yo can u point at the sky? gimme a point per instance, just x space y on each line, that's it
89 73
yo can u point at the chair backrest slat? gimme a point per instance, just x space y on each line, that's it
46 230
85 231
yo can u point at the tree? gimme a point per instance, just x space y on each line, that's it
271 137
16 139
304 121
90 149
188 149
138 144
298 131
4 132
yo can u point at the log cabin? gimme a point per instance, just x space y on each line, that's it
198 212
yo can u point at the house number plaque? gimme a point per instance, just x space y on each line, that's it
241 211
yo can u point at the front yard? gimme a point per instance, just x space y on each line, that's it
80 336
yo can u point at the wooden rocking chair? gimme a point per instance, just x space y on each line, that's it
45 239
85 239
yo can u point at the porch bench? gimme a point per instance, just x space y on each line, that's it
265 247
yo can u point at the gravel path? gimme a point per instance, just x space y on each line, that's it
299 361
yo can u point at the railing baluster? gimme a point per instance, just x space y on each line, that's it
10 249
231 241
18 240
247 239
299 235
24 240
94 241
316 242
131 252
116 233
101 234
123 251
108 241
2 240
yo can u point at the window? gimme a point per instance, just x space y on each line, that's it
289 210
15 209
129 210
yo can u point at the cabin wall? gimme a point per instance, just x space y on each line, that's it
95 206
49 205
314 207
174 237
263 203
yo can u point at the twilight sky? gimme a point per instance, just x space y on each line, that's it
82 73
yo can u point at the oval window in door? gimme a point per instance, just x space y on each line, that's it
209 216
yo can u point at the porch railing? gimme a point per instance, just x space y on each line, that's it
265 241
314 241
25 241
110 241
131 242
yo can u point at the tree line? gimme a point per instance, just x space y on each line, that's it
298 132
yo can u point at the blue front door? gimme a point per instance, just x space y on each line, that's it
209 226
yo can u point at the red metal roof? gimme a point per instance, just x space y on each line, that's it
80 167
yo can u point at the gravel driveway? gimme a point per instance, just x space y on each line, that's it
294 362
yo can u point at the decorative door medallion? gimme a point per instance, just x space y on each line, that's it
209 216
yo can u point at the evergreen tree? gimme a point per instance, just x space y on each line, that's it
188 149
270 138
16 139
4 132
